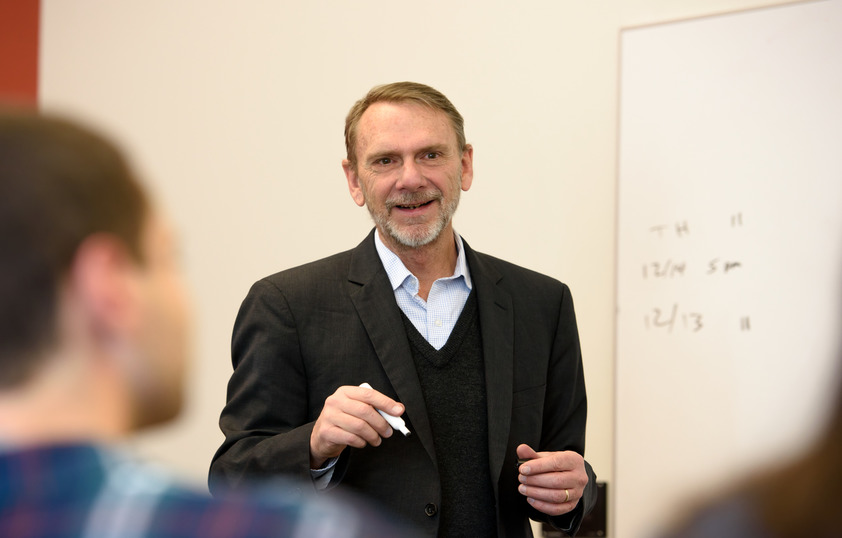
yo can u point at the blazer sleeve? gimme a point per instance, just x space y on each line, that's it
267 420
566 408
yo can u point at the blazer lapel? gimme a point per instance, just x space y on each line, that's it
496 318
373 297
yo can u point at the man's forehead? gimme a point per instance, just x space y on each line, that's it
386 124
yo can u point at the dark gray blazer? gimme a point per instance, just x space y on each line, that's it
304 332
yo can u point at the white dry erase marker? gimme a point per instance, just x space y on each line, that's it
395 422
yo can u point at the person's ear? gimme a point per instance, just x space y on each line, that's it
103 279
354 185
467 167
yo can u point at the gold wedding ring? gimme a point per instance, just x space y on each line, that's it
567 492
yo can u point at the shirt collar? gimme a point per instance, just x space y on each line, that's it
398 273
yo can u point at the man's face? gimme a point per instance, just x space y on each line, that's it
409 172
162 331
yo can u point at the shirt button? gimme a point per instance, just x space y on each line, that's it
431 509
438 323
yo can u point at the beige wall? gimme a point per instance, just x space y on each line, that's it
235 116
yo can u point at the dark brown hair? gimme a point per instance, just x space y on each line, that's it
59 184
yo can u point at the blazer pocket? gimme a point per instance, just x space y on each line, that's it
533 396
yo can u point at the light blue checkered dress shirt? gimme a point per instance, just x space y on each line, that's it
435 317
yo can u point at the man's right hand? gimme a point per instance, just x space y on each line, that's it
350 418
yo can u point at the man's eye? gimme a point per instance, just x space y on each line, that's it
431 155
383 161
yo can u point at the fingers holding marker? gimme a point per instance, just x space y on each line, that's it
395 421
351 416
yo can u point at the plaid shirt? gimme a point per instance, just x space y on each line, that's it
85 491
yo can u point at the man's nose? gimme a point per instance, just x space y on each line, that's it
411 176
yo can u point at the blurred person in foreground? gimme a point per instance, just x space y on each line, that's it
799 498
94 329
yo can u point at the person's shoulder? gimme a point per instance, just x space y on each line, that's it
334 267
321 268
304 280
105 490
283 507
181 511
732 517
279 507
512 274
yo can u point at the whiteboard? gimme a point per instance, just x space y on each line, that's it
729 249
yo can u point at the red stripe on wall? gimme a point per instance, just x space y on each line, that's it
19 26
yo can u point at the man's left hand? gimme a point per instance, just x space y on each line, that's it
552 482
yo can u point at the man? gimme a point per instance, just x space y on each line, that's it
481 357
93 341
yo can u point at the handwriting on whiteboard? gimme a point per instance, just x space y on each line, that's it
666 269
674 317
667 318
671 268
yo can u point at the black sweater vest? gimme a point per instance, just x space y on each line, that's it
453 382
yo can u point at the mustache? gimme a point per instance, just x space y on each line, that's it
415 198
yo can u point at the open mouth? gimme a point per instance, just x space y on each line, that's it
415 206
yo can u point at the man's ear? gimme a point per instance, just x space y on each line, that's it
467 167
354 185
103 279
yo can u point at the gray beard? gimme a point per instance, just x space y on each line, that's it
419 238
